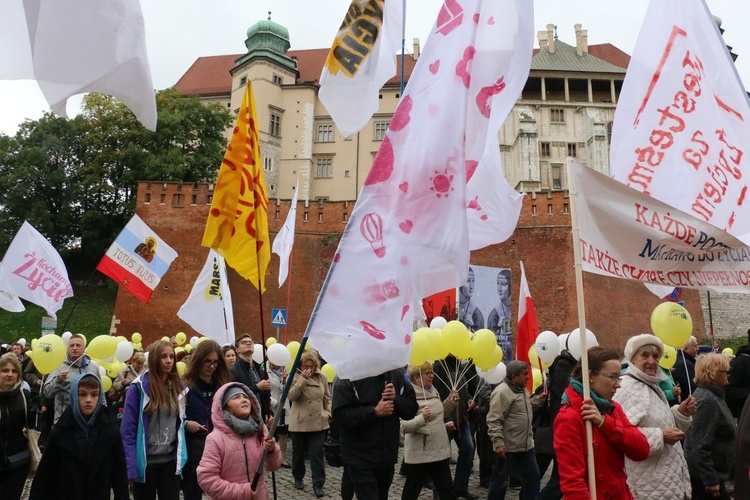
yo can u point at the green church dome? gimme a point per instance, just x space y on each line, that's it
267 35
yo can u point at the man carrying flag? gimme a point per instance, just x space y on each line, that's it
237 226
138 259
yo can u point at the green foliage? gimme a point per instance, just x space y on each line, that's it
92 316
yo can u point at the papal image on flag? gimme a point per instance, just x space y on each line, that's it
138 259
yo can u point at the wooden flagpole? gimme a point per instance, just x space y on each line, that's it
581 323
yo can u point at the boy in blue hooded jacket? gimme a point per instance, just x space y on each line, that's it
84 457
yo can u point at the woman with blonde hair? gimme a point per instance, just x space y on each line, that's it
709 445
15 458
206 372
153 427
426 446
309 421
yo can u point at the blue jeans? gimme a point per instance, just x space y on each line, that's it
465 459
523 461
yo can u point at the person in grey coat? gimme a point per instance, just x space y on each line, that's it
709 444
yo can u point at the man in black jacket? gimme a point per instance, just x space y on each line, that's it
247 371
739 379
367 413
683 370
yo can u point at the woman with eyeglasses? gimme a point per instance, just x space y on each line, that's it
614 437
664 474
309 421
709 444
206 372
426 446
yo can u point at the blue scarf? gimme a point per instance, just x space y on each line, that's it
602 404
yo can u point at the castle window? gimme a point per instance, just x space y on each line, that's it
380 129
177 200
572 150
557 115
243 81
274 127
556 174
544 149
324 167
278 80
267 164
325 132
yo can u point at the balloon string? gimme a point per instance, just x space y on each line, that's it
441 380
447 374
472 378
464 371
687 373
479 388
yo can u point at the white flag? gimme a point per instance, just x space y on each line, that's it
682 122
408 235
75 46
208 308
33 270
626 234
362 58
284 241
10 301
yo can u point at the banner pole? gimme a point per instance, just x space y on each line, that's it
711 321
403 47
581 322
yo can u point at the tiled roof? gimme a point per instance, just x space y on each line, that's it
604 58
209 76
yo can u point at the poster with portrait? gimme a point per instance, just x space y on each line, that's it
485 302
440 304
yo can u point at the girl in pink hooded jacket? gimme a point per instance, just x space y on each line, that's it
233 449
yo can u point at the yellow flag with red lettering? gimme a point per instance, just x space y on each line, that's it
237 225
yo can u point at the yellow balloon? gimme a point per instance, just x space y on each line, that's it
439 345
136 338
188 348
30 353
534 358
458 339
180 338
33 343
669 359
419 348
329 372
113 370
202 339
483 341
491 359
102 347
181 368
536 378
293 348
106 384
178 350
165 339
727 351
270 341
120 339
672 324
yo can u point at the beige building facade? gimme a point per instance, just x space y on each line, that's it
566 109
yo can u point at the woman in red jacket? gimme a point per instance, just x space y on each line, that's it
614 436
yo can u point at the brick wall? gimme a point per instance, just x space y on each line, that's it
615 309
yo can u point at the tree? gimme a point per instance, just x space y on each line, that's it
76 180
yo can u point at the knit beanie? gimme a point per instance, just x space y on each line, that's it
230 393
644 339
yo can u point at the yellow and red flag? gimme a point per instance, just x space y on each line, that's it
237 225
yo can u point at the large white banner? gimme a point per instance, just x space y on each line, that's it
683 120
408 235
626 234
33 270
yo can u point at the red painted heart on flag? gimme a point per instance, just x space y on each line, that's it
406 226
401 119
382 166
435 67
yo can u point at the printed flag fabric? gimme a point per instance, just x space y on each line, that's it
682 120
362 58
75 46
208 308
138 259
237 226
408 235
626 234
528 328
284 241
33 270
10 301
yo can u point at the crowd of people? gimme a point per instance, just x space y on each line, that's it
657 434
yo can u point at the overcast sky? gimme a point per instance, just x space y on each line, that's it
178 32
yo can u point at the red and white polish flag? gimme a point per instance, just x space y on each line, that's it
528 328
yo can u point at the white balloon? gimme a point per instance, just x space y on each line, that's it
574 342
66 337
497 375
485 373
438 322
194 342
22 341
124 351
563 339
258 353
102 371
547 346
278 354
145 354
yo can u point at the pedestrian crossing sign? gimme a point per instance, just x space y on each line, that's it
278 317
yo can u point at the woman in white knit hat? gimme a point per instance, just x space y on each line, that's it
664 473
